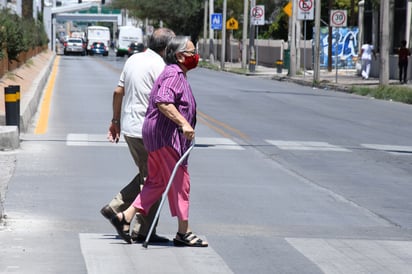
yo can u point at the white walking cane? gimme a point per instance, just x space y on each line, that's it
164 196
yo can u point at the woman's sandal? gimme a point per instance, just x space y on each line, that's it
119 225
188 239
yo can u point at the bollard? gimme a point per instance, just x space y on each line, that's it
279 66
252 65
17 90
12 105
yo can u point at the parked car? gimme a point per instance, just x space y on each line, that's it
75 46
135 48
99 48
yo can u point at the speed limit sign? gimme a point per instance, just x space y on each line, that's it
338 18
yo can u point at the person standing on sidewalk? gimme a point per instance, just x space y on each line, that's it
136 81
168 130
367 51
403 56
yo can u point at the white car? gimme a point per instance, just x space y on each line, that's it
74 45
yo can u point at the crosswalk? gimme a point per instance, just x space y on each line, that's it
218 143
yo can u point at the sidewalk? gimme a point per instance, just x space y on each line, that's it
342 80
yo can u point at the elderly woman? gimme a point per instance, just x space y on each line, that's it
167 133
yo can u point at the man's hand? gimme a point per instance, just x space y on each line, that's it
114 133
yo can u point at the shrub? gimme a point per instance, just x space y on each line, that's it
392 92
19 34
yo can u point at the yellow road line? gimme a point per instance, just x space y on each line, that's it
43 120
214 124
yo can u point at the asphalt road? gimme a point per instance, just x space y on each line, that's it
285 179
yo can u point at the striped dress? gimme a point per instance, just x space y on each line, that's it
158 130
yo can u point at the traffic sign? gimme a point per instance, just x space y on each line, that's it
288 9
338 18
257 15
232 24
216 21
305 10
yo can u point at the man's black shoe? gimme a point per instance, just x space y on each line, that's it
154 238
107 212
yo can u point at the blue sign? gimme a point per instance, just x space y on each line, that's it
216 21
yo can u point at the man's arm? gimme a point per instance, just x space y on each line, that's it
114 129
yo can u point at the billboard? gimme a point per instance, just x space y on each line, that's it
344 44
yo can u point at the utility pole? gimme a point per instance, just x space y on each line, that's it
244 33
223 48
384 47
330 38
316 76
211 33
292 46
252 53
205 29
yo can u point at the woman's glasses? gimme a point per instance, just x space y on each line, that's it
192 52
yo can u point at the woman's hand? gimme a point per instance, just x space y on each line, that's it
188 132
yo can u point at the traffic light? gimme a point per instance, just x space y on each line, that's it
103 2
79 1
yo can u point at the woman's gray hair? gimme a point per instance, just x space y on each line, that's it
177 44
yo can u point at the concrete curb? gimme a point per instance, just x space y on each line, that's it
9 138
9 135
36 92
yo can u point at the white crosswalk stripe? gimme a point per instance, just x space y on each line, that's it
356 256
306 145
76 139
214 143
402 150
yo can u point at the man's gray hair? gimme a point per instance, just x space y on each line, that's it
160 38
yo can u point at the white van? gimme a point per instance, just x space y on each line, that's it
128 35
97 34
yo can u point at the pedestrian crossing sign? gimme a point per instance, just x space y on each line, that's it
232 24
216 21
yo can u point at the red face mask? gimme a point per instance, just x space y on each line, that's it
191 61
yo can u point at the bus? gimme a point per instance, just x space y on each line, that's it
128 35
97 34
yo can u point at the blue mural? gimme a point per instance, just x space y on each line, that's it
344 45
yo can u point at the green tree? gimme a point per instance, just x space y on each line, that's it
184 17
